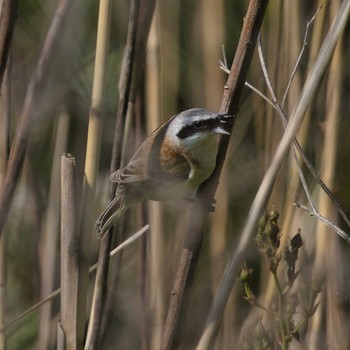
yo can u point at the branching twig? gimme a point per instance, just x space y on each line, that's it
296 146
313 173
275 104
308 24
92 269
262 195
267 80
261 95
334 227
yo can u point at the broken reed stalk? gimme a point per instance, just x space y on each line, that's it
69 256
57 292
308 92
51 228
199 213
30 106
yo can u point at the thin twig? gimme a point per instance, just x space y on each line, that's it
30 108
31 309
199 213
262 195
282 116
92 269
106 243
261 95
296 143
323 185
266 75
314 212
308 24
313 173
123 245
296 146
138 28
223 66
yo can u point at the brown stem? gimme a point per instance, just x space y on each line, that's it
29 108
7 24
199 213
139 24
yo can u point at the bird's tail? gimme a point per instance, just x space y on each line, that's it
109 216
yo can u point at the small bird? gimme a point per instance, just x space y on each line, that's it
171 163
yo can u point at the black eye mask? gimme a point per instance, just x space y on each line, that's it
199 126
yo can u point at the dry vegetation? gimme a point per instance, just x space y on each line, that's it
82 83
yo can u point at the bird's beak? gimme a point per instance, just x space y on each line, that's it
220 130
226 121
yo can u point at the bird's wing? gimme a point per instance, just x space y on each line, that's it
146 164
136 170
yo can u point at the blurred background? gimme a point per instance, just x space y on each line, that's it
180 70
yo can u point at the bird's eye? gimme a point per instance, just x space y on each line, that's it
197 124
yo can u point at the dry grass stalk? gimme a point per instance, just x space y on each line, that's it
29 108
92 269
328 251
138 27
198 217
4 153
157 258
51 224
7 24
91 173
295 172
103 302
61 338
313 46
69 256
170 23
296 119
212 13
188 40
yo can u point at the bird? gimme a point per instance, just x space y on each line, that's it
170 164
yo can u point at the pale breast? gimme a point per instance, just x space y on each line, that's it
203 161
